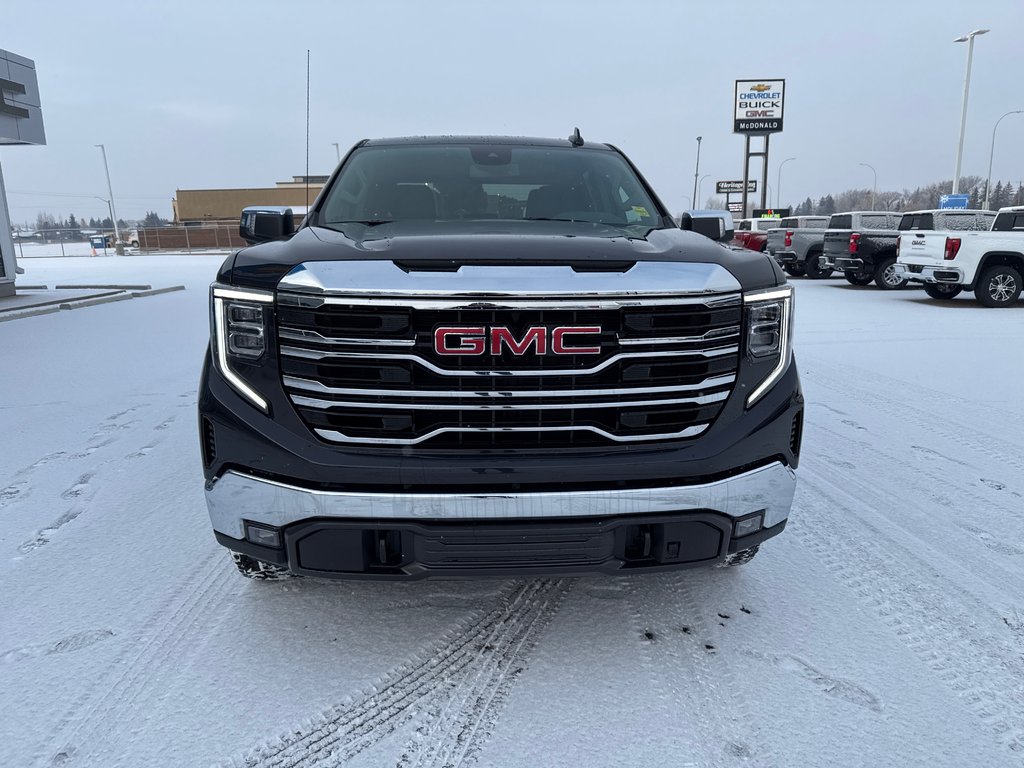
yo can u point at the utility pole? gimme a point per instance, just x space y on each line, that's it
118 246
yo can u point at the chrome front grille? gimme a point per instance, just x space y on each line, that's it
364 370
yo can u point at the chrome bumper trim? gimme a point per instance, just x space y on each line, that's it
235 497
952 276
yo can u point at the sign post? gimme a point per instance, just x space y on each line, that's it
758 109
21 122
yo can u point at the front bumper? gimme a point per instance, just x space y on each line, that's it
929 273
413 535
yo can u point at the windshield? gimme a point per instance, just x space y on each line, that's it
453 182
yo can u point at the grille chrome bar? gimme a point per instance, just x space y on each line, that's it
717 334
300 334
311 354
596 303
314 402
315 386
338 437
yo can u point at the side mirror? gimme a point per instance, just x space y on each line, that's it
261 224
713 227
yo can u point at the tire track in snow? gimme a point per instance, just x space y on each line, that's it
463 721
145 656
882 400
344 731
977 520
675 633
938 622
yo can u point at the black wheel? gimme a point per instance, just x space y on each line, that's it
814 270
998 286
252 568
740 558
886 276
856 278
794 270
943 291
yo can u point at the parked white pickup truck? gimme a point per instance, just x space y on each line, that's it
988 263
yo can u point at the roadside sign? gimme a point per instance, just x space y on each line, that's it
730 187
758 107
735 207
771 213
954 201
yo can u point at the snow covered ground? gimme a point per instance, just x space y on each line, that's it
885 627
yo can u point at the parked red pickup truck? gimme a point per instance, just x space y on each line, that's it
753 233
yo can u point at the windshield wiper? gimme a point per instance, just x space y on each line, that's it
578 221
367 222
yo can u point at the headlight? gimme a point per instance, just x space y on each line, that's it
769 333
237 333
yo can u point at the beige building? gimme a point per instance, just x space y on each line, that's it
196 205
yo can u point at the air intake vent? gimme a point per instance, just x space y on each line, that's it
209 443
796 434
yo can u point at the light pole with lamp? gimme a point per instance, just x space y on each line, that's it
992 152
337 152
118 247
874 186
969 39
778 182
110 208
696 174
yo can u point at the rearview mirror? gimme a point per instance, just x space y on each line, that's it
261 224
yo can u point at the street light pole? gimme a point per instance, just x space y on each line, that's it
992 152
969 39
778 183
110 191
696 174
337 152
696 203
874 186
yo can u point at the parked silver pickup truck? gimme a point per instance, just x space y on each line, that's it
797 244
863 243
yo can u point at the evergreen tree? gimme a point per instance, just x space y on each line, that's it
827 205
975 202
996 200
808 206
153 219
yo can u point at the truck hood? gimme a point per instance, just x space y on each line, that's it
443 246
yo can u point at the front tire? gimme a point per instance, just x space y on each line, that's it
886 276
999 286
252 568
942 291
856 278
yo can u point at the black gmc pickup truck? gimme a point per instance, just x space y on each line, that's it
494 356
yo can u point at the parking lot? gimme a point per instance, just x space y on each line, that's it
884 627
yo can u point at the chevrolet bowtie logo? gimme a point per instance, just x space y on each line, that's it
9 86
761 88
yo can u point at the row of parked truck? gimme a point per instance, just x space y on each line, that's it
947 250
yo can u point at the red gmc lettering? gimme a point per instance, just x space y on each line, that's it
559 347
475 341
471 341
535 336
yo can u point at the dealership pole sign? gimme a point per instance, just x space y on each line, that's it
758 106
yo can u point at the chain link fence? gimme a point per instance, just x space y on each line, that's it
87 242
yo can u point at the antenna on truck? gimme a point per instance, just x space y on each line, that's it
576 140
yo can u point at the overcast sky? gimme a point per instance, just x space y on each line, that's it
198 95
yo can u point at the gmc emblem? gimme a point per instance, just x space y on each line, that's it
479 340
